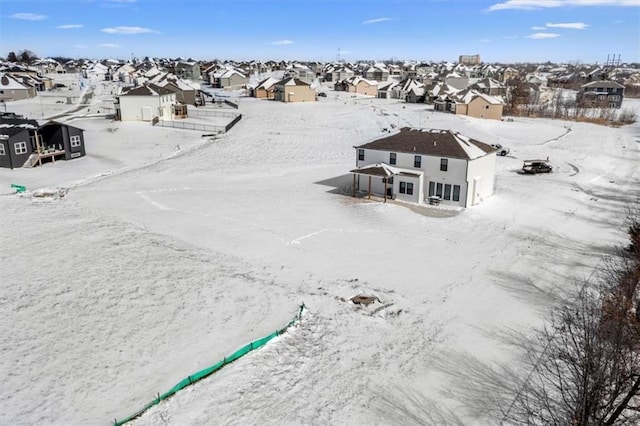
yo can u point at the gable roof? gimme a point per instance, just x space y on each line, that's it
148 89
292 81
431 142
603 83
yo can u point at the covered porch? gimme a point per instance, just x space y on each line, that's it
388 182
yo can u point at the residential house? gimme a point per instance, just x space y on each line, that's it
294 90
421 165
188 70
265 89
378 72
456 80
233 79
385 89
358 85
185 94
416 95
601 94
340 73
24 143
489 86
14 88
145 102
478 105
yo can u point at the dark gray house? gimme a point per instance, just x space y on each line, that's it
25 143
601 94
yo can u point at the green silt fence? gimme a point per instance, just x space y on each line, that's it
189 380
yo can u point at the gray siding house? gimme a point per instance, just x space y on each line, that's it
601 94
24 143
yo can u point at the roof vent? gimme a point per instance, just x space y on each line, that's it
414 149
434 143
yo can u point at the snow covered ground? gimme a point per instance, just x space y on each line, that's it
169 251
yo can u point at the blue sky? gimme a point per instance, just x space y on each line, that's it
434 30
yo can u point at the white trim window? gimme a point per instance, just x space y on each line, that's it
20 147
75 141
2 152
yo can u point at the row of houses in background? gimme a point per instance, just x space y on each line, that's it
26 143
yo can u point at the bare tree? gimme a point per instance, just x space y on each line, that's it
586 362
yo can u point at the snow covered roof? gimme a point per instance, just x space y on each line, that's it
149 89
604 83
384 170
292 81
9 82
267 83
431 142
355 80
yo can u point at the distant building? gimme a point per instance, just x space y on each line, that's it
601 94
469 59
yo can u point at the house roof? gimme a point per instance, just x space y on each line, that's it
384 170
292 81
604 83
9 82
267 83
431 142
148 89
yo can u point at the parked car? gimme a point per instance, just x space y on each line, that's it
500 150
322 95
536 166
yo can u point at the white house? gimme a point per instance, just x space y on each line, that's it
143 103
420 165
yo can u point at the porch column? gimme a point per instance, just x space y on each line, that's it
354 185
369 186
385 189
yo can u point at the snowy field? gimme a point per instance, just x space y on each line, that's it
170 251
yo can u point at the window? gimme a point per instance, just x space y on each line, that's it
432 188
2 149
392 158
75 141
417 161
388 180
20 147
447 191
361 154
456 192
406 188
444 164
439 190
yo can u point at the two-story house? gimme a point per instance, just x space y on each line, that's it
145 102
421 165
601 94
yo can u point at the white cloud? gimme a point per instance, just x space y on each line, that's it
69 26
538 28
569 25
112 45
29 16
128 30
376 20
281 42
542 4
541 36
509 37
